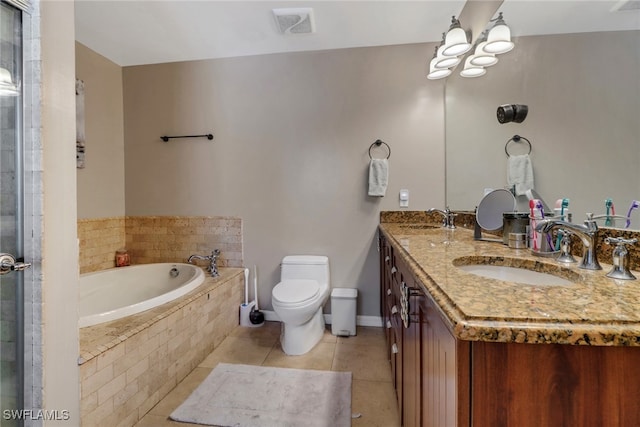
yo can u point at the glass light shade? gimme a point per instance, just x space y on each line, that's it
445 61
7 87
437 73
456 42
499 40
482 59
472 70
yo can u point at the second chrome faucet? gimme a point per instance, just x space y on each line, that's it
587 233
448 217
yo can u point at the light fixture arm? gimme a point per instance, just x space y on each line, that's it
499 20
455 23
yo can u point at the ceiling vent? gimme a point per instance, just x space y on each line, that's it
295 20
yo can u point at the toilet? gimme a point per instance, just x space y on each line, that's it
298 300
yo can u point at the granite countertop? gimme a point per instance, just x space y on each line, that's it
595 310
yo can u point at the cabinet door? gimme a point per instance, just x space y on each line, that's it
412 359
553 385
386 298
439 371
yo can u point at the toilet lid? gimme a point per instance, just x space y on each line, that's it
295 291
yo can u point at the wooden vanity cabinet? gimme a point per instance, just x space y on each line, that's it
389 306
441 381
444 371
550 385
429 366
411 353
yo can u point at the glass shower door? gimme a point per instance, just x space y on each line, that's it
11 217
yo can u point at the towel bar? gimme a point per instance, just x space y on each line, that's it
377 143
516 138
167 138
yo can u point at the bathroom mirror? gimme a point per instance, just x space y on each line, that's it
583 93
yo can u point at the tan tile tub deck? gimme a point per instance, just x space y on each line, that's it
128 365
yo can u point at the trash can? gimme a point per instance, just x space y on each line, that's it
343 311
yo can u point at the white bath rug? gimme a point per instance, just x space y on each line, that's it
257 396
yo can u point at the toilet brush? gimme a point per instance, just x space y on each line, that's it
256 317
247 307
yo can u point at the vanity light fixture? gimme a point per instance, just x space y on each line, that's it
437 73
456 42
444 61
480 57
7 87
471 70
499 38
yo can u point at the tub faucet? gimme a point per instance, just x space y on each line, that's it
588 234
213 261
448 216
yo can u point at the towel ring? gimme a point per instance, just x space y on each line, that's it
516 138
377 143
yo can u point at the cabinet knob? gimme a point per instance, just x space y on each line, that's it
393 269
387 258
388 324
388 291
394 309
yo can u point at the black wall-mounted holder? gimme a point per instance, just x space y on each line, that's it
165 138
512 113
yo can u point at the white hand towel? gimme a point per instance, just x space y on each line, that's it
378 177
520 173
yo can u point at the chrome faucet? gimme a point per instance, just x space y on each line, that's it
588 234
213 261
620 268
448 217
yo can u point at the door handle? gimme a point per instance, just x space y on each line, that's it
8 263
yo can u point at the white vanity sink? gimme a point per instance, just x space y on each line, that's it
514 274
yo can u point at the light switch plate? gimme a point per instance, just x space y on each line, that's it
404 198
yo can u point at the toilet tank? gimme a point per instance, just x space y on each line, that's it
311 267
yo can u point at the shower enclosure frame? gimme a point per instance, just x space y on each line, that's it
28 209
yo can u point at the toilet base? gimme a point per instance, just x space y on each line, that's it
299 339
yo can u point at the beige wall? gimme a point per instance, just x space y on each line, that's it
290 154
60 246
101 183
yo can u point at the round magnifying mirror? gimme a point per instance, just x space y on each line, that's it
492 206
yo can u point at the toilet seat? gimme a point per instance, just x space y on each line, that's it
295 292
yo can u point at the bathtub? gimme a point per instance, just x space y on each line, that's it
118 292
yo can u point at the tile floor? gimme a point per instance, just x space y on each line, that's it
372 393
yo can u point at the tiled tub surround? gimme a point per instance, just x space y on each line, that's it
128 365
596 310
99 239
151 239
